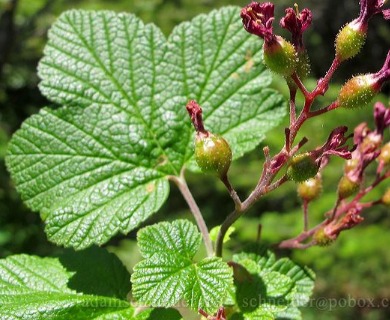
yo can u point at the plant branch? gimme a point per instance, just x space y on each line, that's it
299 84
334 214
293 93
323 83
232 192
185 191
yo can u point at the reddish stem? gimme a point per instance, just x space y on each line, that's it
336 213
305 215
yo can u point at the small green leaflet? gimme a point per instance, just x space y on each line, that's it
168 273
267 288
98 165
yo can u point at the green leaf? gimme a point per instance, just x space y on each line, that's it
36 288
148 314
221 67
160 314
214 233
275 289
98 165
95 263
177 238
169 274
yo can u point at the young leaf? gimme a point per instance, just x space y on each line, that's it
33 288
99 164
169 274
276 288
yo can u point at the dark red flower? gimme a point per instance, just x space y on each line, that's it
383 74
257 19
382 117
296 22
195 112
335 145
368 142
350 220
369 8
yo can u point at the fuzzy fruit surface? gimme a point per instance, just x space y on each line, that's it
386 198
350 165
302 167
357 92
347 187
385 154
310 189
280 56
303 66
213 154
349 41
322 239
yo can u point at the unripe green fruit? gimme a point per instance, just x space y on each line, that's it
322 239
302 167
213 154
347 187
303 65
280 56
349 41
386 198
357 92
310 189
371 142
385 154
350 165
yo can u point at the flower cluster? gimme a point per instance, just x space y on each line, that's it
360 148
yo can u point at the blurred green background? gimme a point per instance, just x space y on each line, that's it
356 267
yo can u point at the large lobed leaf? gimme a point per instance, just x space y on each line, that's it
37 288
99 164
91 284
168 274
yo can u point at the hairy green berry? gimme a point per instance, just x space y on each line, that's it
350 165
280 56
386 198
322 239
357 92
385 154
303 66
212 154
302 167
349 41
347 187
310 189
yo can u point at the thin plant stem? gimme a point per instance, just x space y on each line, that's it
232 192
185 191
335 213
293 94
260 190
305 215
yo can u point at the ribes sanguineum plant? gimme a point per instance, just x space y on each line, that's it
102 161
